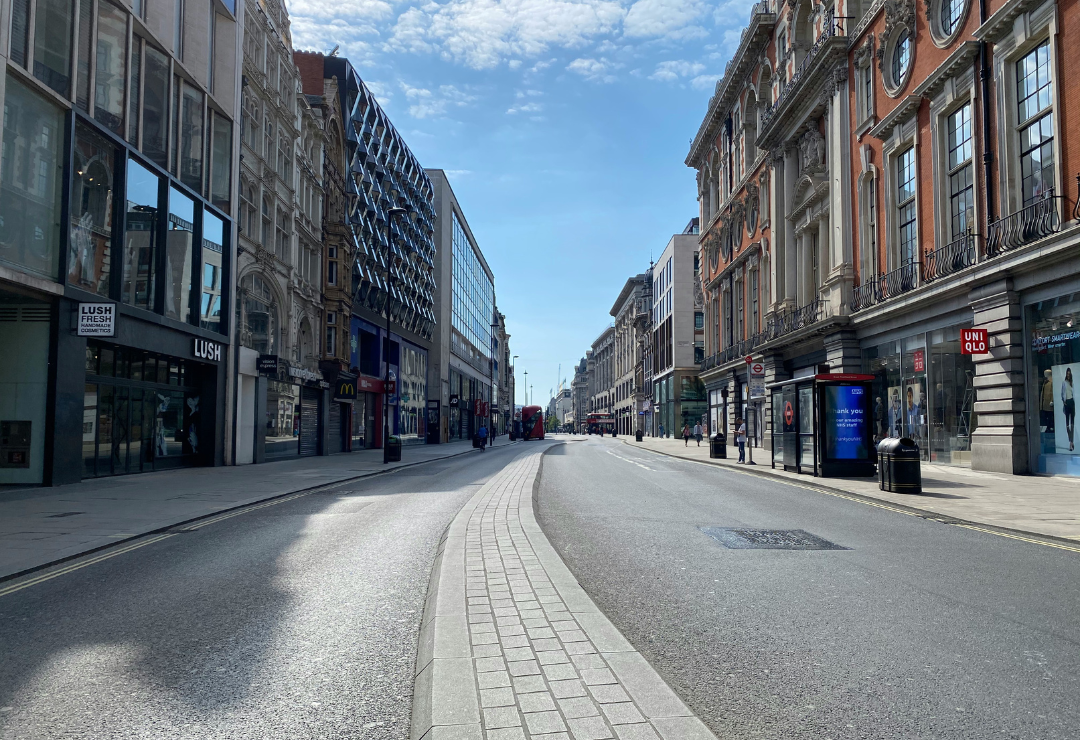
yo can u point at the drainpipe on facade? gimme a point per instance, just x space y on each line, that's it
988 155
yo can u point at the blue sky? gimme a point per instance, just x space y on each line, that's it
563 125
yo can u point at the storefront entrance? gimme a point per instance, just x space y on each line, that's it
1054 371
141 412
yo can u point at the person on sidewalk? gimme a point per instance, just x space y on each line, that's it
740 437
686 435
661 431
483 435
697 433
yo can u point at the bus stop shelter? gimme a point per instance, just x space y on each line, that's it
822 425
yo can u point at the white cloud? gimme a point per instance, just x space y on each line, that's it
674 70
481 33
597 70
704 82
514 63
424 103
525 108
663 18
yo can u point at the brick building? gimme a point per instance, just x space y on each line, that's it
875 177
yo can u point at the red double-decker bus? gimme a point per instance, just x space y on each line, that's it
596 421
532 422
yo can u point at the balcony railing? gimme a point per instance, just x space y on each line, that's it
881 288
953 257
831 27
1034 221
776 326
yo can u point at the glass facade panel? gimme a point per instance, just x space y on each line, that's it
31 179
155 126
190 137
282 420
140 239
1054 373
473 302
260 318
90 247
53 28
221 162
110 70
213 245
1034 100
951 401
179 254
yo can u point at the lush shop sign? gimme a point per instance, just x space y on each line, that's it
97 320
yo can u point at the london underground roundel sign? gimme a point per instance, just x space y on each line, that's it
789 413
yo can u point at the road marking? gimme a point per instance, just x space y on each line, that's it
632 462
928 515
20 585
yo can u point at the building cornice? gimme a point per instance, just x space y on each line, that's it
757 33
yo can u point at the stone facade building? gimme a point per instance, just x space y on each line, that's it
601 371
874 179
279 273
630 312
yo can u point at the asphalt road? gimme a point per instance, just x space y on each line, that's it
918 630
297 620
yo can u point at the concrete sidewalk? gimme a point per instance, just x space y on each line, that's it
1035 504
39 526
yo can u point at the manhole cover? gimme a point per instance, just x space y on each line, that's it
741 538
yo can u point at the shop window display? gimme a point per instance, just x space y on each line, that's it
1054 378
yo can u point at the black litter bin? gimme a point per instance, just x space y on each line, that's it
638 435
393 449
476 441
899 465
614 433
718 447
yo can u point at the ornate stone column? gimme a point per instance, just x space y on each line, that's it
1000 441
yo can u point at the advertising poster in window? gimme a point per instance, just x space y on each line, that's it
846 423
1064 379
896 413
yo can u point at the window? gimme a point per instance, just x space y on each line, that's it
213 248
31 176
754 305
331 273
740 319
179 245
189 133
952 12
91 212
155 119
110 70
140 239
53 28
961 193
247 210
1035 118
133 90
221 161
905 205
267 223
331 340
282 240
815 266
901 58
699 320
260 316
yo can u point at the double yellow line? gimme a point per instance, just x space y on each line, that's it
19 585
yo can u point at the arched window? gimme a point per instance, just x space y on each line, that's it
267 223
260 316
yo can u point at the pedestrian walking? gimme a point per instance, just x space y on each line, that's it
697 433
661 431
686 435
740 437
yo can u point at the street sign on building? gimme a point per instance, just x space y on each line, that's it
974 342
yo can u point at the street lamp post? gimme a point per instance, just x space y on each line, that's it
390 214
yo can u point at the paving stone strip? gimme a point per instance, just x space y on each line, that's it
512 647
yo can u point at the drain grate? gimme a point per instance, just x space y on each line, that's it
741 538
